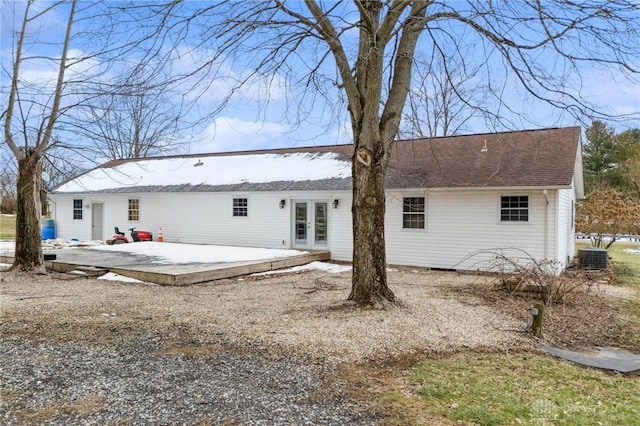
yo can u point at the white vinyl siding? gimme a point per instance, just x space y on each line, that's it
462 229
566 230
463 232
208 220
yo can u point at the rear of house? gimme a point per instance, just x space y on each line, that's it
451 203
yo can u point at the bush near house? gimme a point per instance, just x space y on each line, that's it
605 215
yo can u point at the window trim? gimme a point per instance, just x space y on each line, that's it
514 209
423 213
130 210
75 209
238 208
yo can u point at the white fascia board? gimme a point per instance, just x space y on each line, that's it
578 174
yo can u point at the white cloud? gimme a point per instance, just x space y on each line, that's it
615 93
232 134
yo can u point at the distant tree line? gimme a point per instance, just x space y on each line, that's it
612 160
611 163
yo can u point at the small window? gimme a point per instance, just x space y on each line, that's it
240 207
514 208
134 210
77 209
413 213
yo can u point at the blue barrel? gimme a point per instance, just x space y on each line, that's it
48 229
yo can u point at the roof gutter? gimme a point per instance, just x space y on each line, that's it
499 188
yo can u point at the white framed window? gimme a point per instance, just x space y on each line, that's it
134 210
240 207
514 208
413 213
77 209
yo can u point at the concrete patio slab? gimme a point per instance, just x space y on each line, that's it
604 358
150 269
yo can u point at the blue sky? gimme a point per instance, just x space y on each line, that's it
262 114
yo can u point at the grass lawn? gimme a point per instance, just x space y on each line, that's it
627 264
7 227
489 389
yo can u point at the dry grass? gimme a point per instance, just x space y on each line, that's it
7 227
83 407
593 313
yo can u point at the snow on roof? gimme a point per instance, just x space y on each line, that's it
213 170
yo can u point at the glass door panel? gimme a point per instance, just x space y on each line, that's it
320 223
300 228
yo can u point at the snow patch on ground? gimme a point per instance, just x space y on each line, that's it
632 251
331 268
112 276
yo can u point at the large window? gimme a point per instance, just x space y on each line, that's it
514 208
240 207
413 213
77 209
134 210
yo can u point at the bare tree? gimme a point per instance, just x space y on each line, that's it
58 165
363 52
44 117
28 249
442 102
135 119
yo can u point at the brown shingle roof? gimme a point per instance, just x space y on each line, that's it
525 158
530 158
536 158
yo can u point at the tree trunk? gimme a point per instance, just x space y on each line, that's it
369 280
28 252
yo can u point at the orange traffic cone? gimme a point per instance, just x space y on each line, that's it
160 237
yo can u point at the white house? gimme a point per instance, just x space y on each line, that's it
451 201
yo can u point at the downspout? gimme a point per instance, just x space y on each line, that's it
546 224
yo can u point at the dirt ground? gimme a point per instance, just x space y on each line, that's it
303 317
303 313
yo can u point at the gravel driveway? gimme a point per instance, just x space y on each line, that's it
258 350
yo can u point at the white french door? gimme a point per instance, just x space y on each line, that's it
310 224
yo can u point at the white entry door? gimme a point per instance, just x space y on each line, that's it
97 222
310 224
